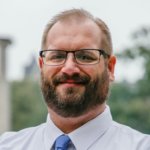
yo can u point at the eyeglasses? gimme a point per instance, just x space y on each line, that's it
54 57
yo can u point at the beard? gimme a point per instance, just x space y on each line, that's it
70 102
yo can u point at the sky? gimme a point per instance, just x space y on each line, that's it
24 20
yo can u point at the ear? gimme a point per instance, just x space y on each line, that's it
40 62
111 67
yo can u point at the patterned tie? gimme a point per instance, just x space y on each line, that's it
62 142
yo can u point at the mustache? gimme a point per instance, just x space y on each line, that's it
79 79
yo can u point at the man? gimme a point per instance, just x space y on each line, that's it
77 67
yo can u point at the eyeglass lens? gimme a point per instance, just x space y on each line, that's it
57 57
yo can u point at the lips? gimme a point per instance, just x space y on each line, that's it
75 79
71 82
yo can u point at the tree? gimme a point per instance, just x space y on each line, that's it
130 102
141 51
28 108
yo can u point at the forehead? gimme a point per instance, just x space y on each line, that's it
73 33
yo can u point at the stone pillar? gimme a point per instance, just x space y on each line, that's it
5 111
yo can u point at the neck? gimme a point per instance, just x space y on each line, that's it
69 124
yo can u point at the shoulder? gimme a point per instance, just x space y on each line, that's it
126 130
11 139
128 135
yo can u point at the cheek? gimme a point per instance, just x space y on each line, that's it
94 70
49 72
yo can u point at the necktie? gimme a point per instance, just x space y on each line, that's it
61 142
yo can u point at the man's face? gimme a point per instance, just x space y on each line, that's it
72 89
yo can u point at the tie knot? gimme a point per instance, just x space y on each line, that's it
62 142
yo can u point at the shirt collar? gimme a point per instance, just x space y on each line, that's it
95 128
91 131
51 133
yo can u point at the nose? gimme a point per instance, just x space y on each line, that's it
70 67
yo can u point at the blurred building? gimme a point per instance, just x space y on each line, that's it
31 70
5 111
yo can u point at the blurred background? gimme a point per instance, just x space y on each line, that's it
21 26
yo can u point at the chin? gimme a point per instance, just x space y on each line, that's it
70 87
70 93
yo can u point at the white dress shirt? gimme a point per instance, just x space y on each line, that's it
101 133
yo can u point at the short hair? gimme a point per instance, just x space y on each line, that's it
80 15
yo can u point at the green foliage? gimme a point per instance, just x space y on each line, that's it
133 106
140 49
28 108
123 104
122 91
133 112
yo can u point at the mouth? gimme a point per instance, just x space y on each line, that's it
71 83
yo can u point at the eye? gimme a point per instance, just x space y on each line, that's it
86 57
55 56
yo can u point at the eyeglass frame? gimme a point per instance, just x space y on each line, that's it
101 52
